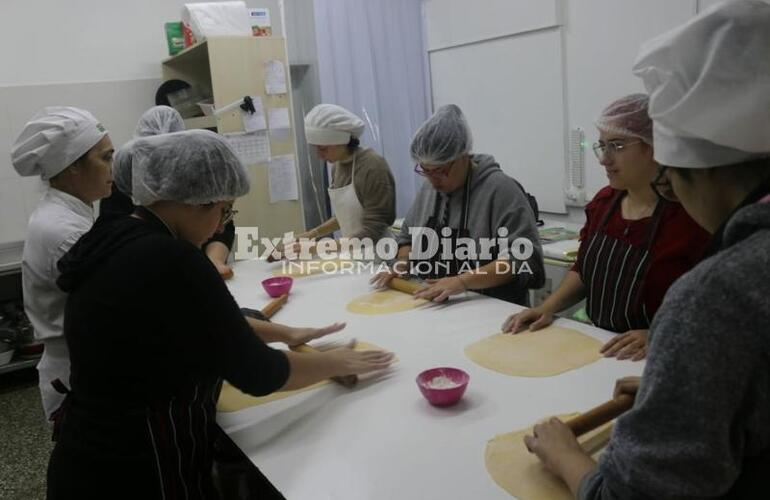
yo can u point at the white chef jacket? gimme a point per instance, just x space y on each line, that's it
59 220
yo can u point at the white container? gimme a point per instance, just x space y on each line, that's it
217 19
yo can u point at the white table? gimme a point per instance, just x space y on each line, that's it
382 440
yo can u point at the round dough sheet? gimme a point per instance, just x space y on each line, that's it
543 353
384 302
521 474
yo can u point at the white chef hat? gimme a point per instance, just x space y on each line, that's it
331 125
53 139
709 86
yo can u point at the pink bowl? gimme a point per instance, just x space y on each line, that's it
443 397
277 286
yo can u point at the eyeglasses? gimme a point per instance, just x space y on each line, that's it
611 148
661 184
441 171
228 214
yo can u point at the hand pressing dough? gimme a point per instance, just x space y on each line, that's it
543 353
521 473
232 399
384 302
303 268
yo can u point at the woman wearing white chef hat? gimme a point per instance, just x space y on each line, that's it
70 149
362 192
698 428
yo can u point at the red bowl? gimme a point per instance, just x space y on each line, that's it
277 286
443 397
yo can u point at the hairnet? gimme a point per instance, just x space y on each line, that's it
159 120
54 139
330 125
121 168
709 86
627 116
195 167
443 138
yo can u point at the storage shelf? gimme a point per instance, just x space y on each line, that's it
201 122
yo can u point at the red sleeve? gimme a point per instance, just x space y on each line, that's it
595 210
678 247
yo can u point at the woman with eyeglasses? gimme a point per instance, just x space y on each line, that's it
164 120
152 330
467 203
634 244
699 425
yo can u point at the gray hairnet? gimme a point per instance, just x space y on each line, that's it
121 168
195 167
159 120
443 138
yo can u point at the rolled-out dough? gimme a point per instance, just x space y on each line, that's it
521 473
384 302
543 353
232 399
303 268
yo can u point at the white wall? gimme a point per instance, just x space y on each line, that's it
102 56
600 42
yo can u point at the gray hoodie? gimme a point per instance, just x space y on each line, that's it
495 201
700 427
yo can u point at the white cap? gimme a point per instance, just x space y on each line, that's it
331 125
53 139
709 86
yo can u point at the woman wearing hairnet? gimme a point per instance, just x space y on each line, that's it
698 428
634 244
71 150
152 330
466 198
163 120
362 192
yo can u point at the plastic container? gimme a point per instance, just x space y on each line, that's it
277 286
443 397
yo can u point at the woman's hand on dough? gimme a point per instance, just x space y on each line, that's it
346 361
397 270
535 318
298 336
630 345
440 290
553 443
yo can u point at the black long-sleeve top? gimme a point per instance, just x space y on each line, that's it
151 330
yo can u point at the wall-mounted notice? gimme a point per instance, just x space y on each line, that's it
275 77
282 178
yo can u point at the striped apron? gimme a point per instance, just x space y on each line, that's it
614 272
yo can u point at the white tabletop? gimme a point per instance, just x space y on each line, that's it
382 440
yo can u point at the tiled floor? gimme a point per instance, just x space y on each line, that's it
25 437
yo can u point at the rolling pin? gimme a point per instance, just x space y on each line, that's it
346 381
273 307
405 286
600 415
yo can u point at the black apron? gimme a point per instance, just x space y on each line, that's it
441 267
614 272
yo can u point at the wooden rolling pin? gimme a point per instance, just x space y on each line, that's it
405 286
273 307
346 381
600 415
